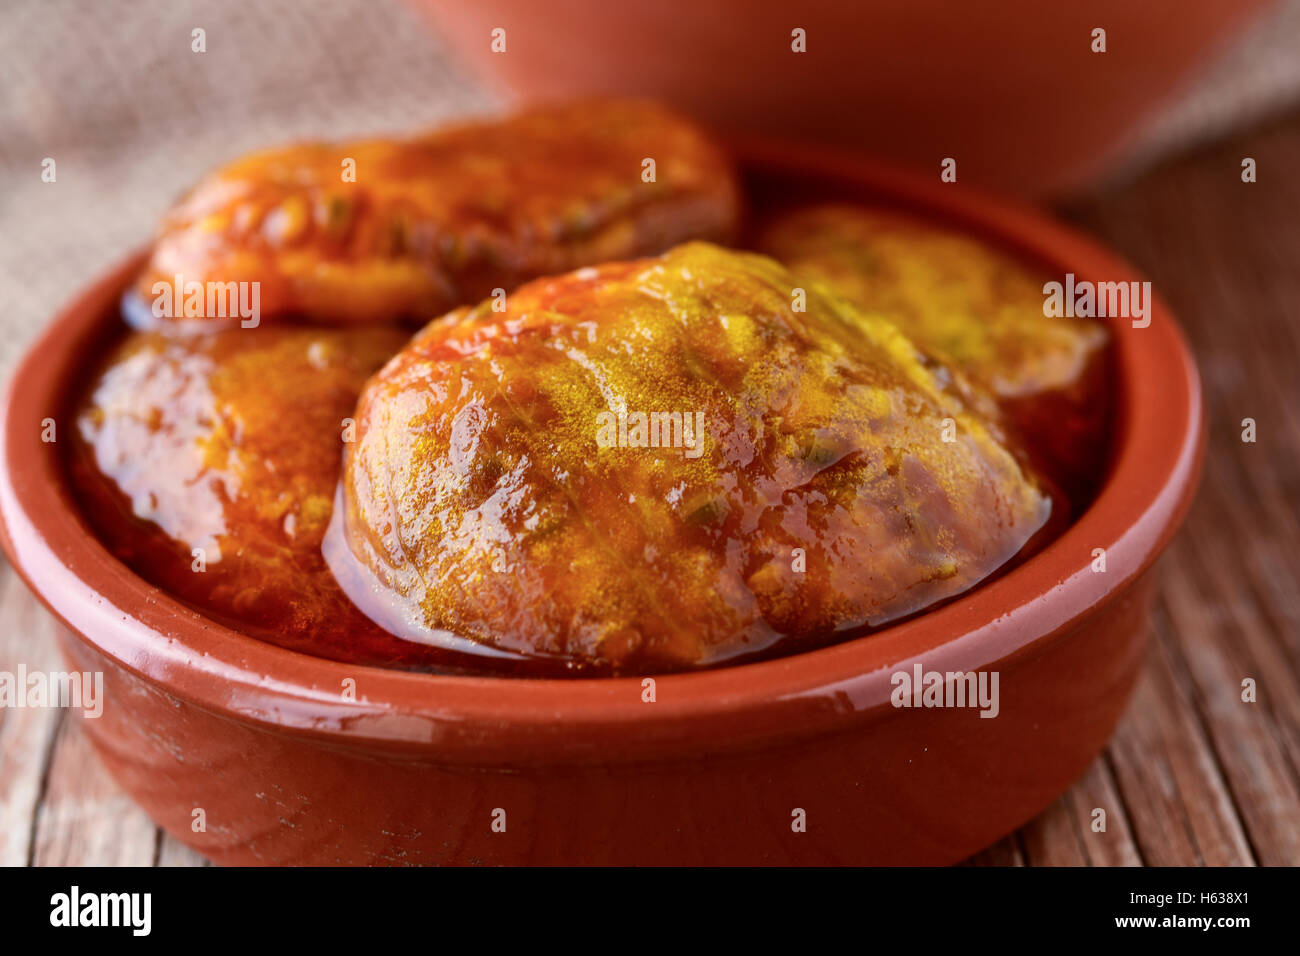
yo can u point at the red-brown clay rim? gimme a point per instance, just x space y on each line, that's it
490 721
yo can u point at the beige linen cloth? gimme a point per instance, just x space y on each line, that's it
111 90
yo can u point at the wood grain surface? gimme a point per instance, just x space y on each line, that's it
1194 776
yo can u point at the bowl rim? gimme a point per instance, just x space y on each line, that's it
1155 464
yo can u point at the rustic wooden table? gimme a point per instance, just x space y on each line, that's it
1193 775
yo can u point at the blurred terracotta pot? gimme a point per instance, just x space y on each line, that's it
1011 90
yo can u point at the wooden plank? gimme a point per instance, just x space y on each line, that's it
1053 838
1169 779
1006 852
171 852
1223 253
1063 835
84 818
1116 845
26 734
1247 747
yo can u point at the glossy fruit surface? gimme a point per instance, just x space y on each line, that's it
669 462
375 230
209 463
976 306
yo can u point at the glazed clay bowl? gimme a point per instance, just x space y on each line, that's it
801 759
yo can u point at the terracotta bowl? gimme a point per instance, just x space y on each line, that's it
417 768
